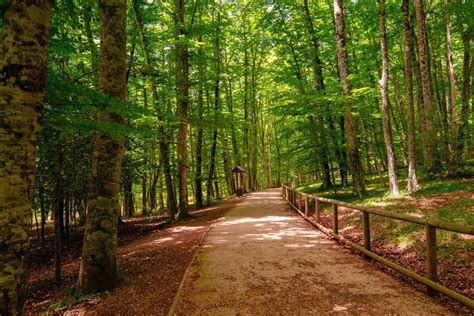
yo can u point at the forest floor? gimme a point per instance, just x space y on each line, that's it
152 260
449 200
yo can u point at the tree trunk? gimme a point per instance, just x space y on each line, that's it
387 128
164 146
25 36
452 87
431 158
98 270
216 107
144 195
200 131
412 181
58 208
129 205
313 45
357 170
182 100
467 37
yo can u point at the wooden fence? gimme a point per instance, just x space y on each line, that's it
300 202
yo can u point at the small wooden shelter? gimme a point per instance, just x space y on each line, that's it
238 170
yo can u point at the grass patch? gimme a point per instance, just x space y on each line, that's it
446 199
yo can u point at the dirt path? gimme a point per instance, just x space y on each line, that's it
262 259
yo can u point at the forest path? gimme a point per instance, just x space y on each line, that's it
261 258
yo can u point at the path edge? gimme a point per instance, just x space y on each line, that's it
177 296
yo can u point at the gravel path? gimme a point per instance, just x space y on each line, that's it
261 258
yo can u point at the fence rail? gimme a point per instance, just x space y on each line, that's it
300 202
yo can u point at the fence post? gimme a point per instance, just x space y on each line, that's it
318 211
335 222
366 226
306 205
431 264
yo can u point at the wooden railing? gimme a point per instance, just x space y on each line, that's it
300 202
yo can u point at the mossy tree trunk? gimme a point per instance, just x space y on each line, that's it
358 184
22 77
98 270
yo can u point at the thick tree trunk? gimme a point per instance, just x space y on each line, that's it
182 100
98 266
431 158
25 36
412 181
358 181
387 128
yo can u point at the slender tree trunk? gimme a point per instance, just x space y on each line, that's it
152 190
216 107
144 194
318 79
278 151
129 204
387 129
164 146
412 181
200 131
358 181
253 171
90 41
58 205
467 37
452 87
431 158
25 36
227 84
182 100
98 270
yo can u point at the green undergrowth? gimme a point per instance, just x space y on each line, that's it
446 199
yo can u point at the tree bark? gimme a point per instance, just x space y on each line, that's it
98 270
431 157
387 128
182 100
467 38
22 75
412 181
216 107
313 45
200 131
164 146
357 170
452 87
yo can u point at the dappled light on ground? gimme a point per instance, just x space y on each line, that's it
263 259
